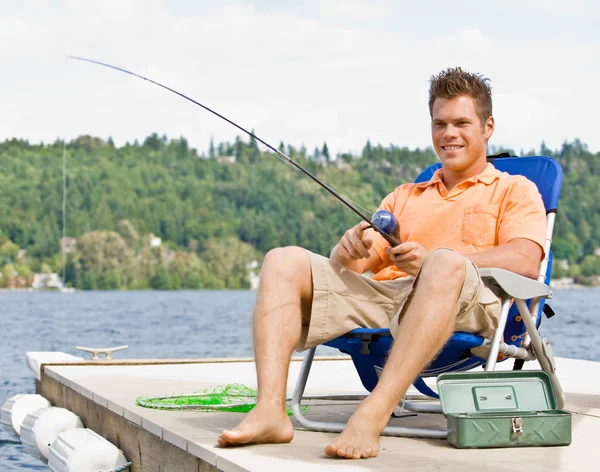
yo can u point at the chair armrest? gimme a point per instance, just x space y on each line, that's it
515 285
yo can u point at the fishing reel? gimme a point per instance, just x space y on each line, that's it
387 225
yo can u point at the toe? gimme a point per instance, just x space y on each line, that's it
349 452
331 450
341 452
232 436
357 454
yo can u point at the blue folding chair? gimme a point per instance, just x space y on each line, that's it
516 337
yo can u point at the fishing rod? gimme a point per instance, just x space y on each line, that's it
383 221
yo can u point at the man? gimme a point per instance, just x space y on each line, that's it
468 215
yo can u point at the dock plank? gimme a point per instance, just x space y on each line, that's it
191 436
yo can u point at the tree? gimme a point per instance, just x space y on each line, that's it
228 261
9 251
192 281
590 265
153 142
129 233
213 210
102 254
367 152
325 152
565 250
211 148
238 150
162 280
253 151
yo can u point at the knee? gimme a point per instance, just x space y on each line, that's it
444 264
290 260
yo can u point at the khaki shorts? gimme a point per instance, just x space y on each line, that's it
344 300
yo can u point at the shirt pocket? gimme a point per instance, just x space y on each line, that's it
479 225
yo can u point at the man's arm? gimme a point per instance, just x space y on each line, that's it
521 256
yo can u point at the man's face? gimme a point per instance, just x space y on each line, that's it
459 138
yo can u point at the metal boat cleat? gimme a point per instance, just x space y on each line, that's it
101 351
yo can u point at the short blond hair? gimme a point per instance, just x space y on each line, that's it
455 81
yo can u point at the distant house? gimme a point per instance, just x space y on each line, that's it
253 275
226 159
563 264
562 283
595 280
150 240
15 282
45 281
597 252
341 164
68 244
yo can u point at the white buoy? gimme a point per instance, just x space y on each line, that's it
17 407
41 427
82 450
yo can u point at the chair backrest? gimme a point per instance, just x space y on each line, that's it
543 171
547 175
370 347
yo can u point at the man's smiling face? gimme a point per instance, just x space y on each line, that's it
459 138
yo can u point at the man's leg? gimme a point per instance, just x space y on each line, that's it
427 324
284 300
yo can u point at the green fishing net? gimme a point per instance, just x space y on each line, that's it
231 397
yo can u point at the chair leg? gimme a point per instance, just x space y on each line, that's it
300 386
492 358
544 361
419 407
331 427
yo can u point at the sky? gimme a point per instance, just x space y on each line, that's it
302 73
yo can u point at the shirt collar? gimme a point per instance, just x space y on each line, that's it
489 175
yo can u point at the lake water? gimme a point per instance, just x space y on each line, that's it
188 324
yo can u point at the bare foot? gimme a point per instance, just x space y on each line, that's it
359 440
262 425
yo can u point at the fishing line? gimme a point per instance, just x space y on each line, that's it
346 197
391 240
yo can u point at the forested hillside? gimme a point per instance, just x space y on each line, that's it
218 211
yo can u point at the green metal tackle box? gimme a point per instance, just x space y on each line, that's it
502 409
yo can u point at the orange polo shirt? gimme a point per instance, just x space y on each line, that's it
479 213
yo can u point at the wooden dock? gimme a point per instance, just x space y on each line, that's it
103 394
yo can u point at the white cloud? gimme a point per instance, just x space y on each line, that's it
472 40
517 112
355 9
298 79
555 7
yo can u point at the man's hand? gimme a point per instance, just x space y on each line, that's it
408 257
355 243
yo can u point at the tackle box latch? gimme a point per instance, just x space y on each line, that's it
517 426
